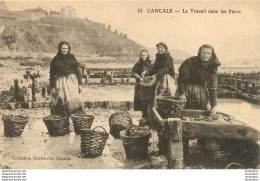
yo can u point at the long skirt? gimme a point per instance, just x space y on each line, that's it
143 99
166 85
138 98
68 99
197 97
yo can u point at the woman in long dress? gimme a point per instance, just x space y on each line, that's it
164 83
163 71
142 95
65 82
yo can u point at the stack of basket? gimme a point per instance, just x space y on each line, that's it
82 121
57 125
135 141
119 121
14 124
93 142
170 107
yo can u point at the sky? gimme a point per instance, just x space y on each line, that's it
233 35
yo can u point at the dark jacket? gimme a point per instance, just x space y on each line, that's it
194 71
140 67
163 65
63 65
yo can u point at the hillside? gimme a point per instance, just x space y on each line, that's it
38 32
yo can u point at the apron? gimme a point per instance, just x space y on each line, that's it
68 99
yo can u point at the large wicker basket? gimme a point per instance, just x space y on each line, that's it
81 121
135 141
57 125
93 142
119 121
170 107
14 124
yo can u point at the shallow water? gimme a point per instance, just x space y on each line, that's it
241 110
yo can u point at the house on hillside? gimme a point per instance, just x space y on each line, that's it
68 11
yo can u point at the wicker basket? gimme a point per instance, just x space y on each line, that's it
135 141
57 125
14 124
81 121
93 142
170 107
119 122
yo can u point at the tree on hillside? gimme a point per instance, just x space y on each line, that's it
37 10
125 35
108 27
103 26
116 32
54 12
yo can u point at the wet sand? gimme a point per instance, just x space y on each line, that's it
35 149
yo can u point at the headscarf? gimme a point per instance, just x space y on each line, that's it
63 43
147 61
162 44
213 63
64 62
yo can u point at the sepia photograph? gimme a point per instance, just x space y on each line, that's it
129 85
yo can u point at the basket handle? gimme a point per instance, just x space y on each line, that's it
100 127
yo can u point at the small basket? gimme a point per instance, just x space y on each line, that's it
57 125
93 142
119 122
14 124
135 141
81 121
170 107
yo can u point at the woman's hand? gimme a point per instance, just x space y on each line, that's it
144 73
213 111
152 82
183 97
54 92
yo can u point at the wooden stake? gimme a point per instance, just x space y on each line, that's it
175 147
112 77
87 78
16 90
33 89
128 78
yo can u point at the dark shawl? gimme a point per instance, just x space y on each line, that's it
141 66
63 65
163 65
195 71
138 69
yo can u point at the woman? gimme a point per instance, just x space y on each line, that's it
65 83
164 82
141 99
163 71
197 84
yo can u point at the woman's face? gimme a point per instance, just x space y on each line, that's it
205 54
144 55
64 49
161 49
